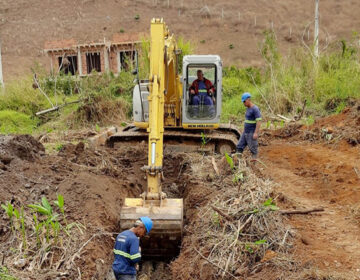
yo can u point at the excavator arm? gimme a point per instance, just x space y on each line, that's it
156 109
166 213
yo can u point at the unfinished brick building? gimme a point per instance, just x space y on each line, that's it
82 59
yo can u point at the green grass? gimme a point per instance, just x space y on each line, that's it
21 97
16 122
5 274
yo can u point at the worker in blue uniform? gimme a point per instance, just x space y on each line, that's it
251 128
127 250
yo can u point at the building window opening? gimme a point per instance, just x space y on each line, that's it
68 64
127 60
93 62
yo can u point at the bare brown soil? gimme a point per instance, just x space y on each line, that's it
212 25
315 171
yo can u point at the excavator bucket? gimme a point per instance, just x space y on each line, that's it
167 215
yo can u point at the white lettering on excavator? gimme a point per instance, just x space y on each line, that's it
201 125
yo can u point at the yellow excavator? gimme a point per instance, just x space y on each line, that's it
163 110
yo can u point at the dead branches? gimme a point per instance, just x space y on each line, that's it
215 166
306 211
214 264
235 228
226 216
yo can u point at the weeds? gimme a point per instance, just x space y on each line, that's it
16 122
5 275
42 238
60 203
46 228
230 161
50 221
59 147
9 209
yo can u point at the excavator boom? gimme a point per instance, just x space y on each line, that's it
167 214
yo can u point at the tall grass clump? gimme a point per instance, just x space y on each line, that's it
284 83
186 48
16 122
235 82
20 96
326 84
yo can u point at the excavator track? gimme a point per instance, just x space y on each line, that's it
221 140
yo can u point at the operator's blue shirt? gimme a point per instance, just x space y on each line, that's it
126 253
252 116
202 88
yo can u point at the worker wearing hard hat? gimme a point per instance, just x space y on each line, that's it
127 250
251 127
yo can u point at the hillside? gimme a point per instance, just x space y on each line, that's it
212 25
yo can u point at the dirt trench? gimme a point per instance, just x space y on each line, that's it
94 183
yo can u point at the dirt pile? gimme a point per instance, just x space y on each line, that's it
94 183
314 166
24 147
344 126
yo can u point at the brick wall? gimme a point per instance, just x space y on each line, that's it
113 56
113 60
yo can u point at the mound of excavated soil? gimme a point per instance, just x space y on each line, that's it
343 126
20 146
317 166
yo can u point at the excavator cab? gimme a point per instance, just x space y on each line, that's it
202 109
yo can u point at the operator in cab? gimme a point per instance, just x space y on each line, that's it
127 252
202 93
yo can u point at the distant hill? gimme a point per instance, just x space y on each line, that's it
212 25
